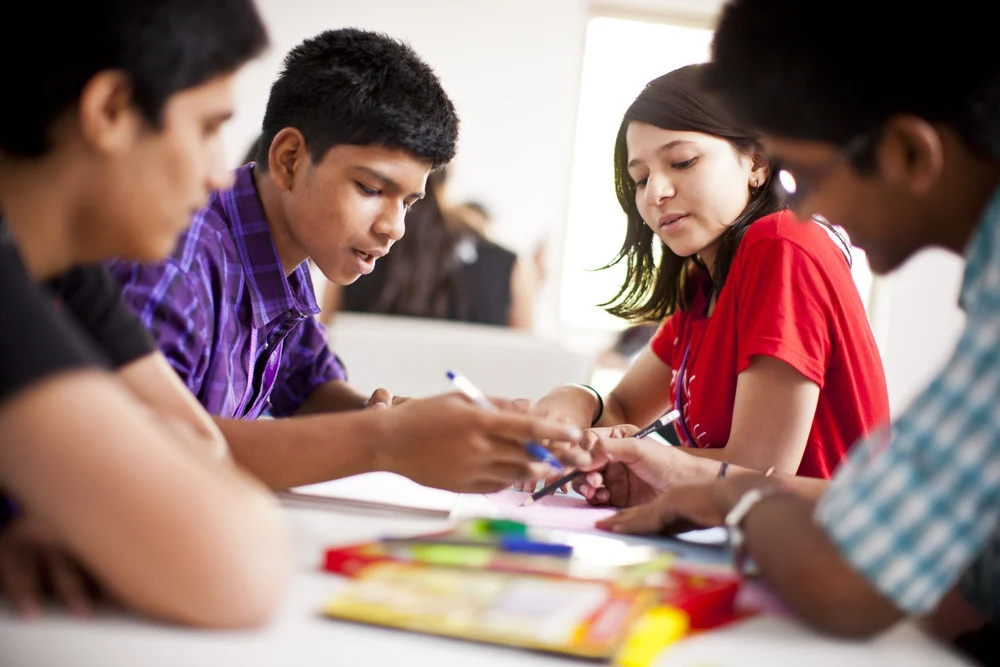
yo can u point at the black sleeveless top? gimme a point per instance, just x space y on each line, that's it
482 295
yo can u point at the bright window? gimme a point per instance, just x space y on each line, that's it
620 57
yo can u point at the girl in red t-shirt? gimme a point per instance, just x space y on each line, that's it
764 346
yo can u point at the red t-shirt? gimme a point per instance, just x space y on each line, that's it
789 295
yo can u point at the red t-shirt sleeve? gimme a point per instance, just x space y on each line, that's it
783 308
662 342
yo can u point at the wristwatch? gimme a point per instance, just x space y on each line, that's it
734 520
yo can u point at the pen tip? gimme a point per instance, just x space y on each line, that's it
451 375
527 501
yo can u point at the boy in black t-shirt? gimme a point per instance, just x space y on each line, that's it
108 142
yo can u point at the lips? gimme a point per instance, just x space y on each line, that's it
671 219
370 255
366 258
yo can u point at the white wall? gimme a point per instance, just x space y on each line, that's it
512 68
918 322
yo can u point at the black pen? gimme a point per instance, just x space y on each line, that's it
666 419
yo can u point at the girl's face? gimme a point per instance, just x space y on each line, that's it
689 186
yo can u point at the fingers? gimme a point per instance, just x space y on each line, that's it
641 520
381 398
19 578
68 583
521 427
619 450
521 476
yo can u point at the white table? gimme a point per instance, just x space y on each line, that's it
300 637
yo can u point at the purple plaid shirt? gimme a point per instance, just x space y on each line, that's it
241 336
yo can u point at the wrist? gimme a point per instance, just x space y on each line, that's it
379 444
737 515
596 403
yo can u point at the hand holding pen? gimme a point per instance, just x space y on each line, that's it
548 489
464 385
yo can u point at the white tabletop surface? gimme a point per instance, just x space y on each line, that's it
299 636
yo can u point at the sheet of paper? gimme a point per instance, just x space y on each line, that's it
716 537
568 511
378 490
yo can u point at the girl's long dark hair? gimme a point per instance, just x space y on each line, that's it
677 101
423 273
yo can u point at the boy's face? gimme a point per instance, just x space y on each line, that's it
346 211
880 210
154 179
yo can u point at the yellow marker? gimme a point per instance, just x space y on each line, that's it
652 632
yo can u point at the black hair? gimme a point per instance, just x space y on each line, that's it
830 71
360 88
162 46
651 291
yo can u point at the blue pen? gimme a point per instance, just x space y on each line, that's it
463 384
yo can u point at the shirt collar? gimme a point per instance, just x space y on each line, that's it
272 295
982 255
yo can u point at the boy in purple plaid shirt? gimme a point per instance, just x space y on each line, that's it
354 124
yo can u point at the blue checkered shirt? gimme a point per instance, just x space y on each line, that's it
917 511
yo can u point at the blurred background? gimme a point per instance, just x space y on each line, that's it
541 86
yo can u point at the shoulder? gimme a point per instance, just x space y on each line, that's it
783 231
209 239
37 339
494 257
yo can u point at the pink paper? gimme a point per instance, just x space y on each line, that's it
553 511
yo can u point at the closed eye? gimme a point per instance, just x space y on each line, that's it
371 192
685 164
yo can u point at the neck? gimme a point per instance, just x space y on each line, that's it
707 256
36 200
290 254
964 198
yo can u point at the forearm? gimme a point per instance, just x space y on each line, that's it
304 450
798 561
208 552
335 396
153 382
809 488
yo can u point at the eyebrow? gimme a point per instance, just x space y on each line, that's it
387 182
664 147
222 116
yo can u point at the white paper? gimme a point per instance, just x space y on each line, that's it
380 489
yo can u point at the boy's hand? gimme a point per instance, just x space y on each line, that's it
383 398
450 443
31 561
680 507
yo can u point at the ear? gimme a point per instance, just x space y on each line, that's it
106 115
287 157
911 154
760 170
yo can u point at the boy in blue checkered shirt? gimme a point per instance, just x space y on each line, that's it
910 524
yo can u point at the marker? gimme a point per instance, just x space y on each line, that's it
474 394
507 544
666 419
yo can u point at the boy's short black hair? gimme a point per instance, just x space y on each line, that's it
163 46
360 88
830 70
